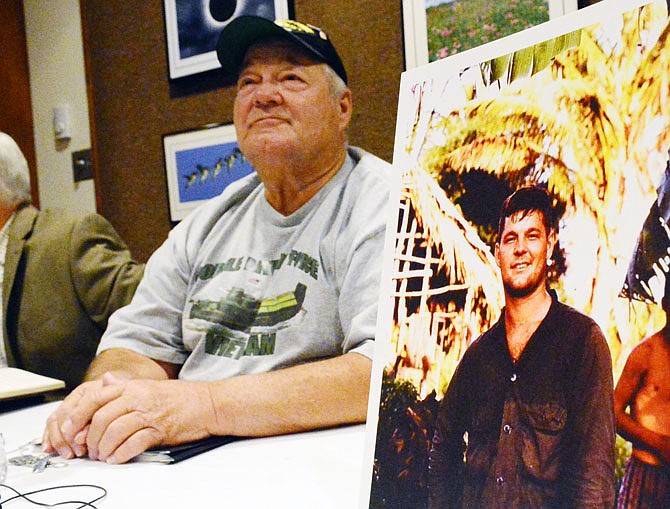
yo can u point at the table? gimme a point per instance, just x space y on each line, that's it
318 469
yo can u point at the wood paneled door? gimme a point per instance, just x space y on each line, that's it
16 118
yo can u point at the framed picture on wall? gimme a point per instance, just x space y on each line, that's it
200 164
436 29
193 26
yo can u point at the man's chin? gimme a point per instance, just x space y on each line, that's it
518 293
521 291
267 145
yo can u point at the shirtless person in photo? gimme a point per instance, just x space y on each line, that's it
644 389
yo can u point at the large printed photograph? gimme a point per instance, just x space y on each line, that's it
579 106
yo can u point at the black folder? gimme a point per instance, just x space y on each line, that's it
177 453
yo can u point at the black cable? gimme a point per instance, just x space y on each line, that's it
82 503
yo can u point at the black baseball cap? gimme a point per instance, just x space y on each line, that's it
243 31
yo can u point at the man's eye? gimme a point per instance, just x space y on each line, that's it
243 82
291 77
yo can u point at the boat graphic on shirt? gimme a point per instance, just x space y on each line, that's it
232 318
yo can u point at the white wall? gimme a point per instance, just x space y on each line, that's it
57 76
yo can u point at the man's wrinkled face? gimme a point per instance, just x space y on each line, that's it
522 253
284 103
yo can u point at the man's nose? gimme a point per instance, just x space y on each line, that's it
520 246
267 92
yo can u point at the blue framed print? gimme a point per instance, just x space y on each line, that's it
200 164
193 26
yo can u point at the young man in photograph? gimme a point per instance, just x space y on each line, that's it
527 420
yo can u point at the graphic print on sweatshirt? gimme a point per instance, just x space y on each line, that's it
238 311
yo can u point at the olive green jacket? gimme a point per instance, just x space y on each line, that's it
63 278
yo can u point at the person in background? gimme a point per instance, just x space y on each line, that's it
642 409
533 394
61 278
257 315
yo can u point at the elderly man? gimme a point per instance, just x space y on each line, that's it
60 277
257 315
533 394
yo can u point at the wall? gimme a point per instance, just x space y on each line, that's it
56 63
134 103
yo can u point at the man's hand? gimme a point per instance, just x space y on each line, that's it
63 434
115 419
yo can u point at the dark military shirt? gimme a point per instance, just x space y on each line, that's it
538 433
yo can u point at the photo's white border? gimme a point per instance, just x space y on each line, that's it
437 72
212 134
180 67
415 27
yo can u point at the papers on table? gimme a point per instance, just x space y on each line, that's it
16 382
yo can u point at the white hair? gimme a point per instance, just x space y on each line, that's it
335 82
14 174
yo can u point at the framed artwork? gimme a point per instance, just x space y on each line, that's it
436 29
193 27
200 163
567 105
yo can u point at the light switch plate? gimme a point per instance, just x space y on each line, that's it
82 165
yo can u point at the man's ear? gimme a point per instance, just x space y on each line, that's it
346 103
551 243
496 253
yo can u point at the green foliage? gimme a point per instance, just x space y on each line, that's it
462 25
530 60
404 435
